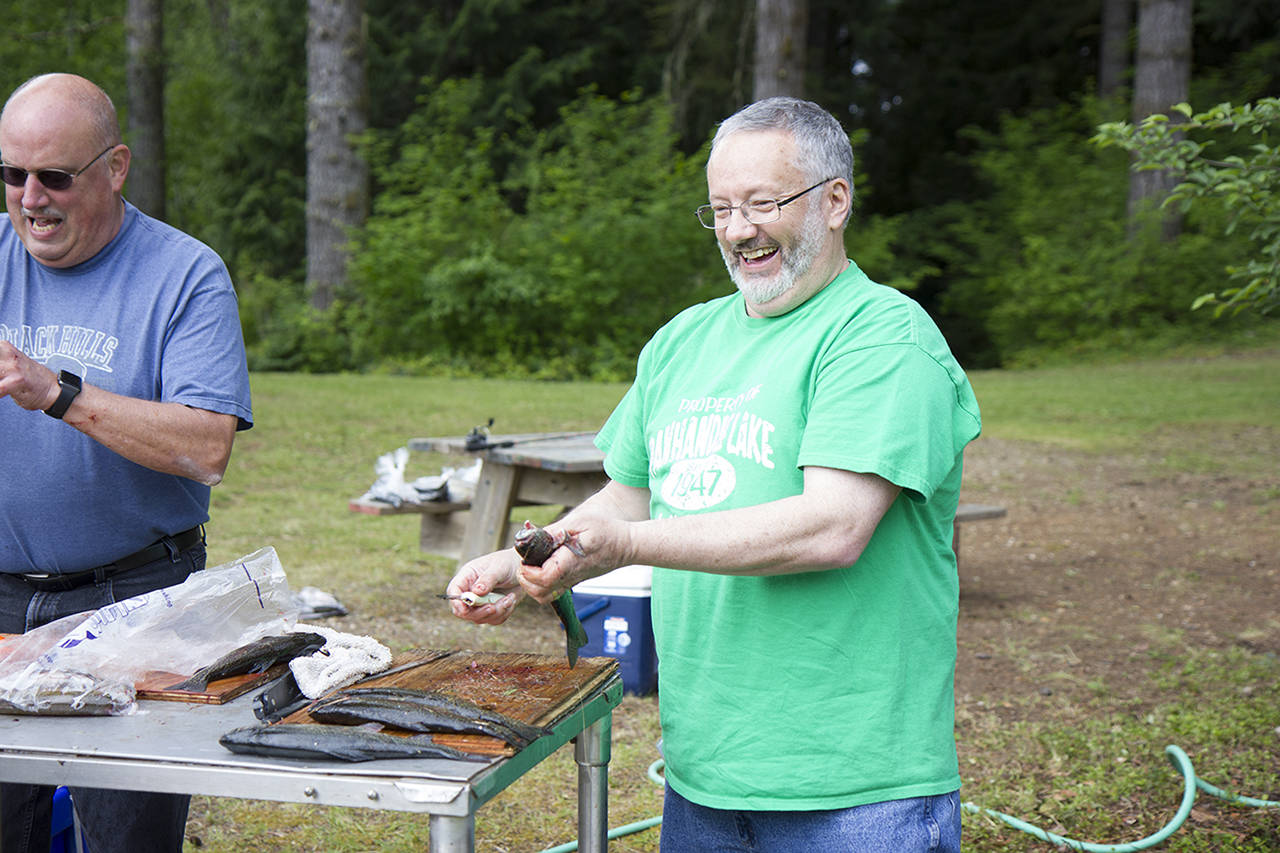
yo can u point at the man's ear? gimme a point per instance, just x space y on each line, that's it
118 164
840 196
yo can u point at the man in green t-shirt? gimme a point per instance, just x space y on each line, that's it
790 455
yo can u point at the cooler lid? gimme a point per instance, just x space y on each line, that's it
631 581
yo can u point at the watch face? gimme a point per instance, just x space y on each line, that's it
70 387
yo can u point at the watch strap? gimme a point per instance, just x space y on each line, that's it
70 385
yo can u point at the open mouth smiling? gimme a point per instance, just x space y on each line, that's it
42 223
757 254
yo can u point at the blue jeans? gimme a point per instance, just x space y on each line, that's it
112 821
917 825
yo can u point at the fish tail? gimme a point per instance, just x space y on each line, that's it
575 636
194 684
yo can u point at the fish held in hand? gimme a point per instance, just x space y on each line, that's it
472 600
535 545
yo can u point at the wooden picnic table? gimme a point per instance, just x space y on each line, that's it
532 469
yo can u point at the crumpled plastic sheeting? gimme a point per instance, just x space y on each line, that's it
315 603
89 662
62 693
460 483
344 659
390 487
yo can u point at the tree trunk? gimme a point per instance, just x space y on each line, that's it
782 28
1162 78
337 178
144 76
1113 48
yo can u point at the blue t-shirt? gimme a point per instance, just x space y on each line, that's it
152 316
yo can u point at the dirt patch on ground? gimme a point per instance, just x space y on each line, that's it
1106 572
1098 559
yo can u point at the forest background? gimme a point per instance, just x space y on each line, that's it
525 171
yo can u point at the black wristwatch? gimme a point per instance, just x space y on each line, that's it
70 384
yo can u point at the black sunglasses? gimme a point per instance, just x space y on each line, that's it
54 179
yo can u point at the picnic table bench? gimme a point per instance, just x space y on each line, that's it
530 469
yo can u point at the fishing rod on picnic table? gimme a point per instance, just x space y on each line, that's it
478 438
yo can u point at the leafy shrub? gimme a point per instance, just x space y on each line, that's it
283 332
1244 182
561 262
1049 262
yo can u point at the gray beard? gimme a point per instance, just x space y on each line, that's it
796 261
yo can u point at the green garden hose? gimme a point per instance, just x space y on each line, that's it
1182 764
1176 757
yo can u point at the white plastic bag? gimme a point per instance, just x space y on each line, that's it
390 486
177 629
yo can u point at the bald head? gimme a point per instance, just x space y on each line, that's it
74 95
62 123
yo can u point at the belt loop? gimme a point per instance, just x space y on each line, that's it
100 574
171 547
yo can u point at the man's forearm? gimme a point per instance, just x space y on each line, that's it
825 527
167 437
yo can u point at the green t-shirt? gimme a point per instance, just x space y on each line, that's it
822 689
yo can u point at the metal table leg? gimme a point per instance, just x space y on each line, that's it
592 752
452 834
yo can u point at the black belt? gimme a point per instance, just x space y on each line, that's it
165 546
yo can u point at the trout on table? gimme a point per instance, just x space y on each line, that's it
421 711
258 656
345 743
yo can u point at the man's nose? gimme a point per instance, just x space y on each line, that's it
34 194
738 228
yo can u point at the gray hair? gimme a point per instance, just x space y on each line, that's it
822 146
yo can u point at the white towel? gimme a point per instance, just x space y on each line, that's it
344 658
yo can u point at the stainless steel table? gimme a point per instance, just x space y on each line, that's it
172 747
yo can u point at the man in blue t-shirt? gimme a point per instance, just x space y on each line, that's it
123 363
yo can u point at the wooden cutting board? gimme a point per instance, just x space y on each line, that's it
534 689
155 685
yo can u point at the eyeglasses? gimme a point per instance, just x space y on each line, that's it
760 212
54 179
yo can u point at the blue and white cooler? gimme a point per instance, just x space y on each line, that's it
614 610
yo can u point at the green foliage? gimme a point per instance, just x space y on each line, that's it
429 231
874 240
83 37
528 267
1245 185
284 333
933 67
237 133
1010 235
1045 261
